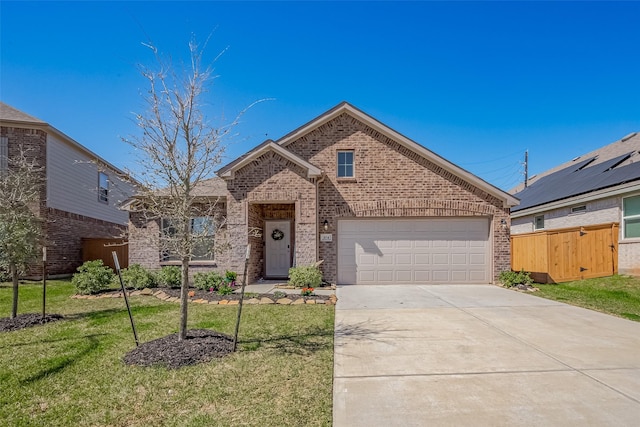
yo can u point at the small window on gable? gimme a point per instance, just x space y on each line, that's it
631 217
103 187
345 164
538 222
579 209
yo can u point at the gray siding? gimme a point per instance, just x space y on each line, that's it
72 184
598 212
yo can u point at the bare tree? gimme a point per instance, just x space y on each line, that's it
178 151
20 225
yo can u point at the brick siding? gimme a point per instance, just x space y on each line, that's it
390 181
63 230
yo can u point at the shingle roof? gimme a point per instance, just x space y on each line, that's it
614 164
9 113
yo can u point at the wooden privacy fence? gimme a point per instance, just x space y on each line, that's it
93 249
567 254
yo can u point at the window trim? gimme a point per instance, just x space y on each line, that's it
625 217
353 164
165 259
103 192
4 154
535 222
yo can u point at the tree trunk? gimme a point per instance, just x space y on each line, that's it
184 295
14 276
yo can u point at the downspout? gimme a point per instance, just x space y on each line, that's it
318 182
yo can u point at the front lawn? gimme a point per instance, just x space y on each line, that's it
617 295
70 372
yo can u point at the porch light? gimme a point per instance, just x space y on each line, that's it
325 224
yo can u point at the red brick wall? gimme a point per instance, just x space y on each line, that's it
390 180
63 230
270 179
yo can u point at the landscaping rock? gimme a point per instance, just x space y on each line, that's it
252 301
146 291
298 302
311 301
224 302
214 302
284 301
234 302
265 300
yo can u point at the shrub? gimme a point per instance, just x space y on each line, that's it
136 277
170 276
225 289
305 276
230 276
92 277
512 278
207 281
279 294
4 275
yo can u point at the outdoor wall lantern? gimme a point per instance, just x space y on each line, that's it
503 223
325 224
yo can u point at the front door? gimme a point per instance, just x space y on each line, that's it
277 248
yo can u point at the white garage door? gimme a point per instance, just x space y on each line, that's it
433 250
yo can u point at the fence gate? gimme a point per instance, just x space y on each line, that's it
567 254
93 249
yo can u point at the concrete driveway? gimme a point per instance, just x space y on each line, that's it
480 355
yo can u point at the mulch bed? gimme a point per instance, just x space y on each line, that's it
22 321
201 345
213 296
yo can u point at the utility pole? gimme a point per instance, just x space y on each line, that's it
526 168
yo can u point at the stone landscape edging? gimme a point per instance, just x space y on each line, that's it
161 295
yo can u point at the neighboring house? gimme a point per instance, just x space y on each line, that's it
596 194
374 206
81 191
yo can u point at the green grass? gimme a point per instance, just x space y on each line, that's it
70 372
617 295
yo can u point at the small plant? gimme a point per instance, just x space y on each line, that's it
279 294
230 276
305 276
170 276
512 278
135 276
249 295
225 289
192 294
306 292
210 281
92 277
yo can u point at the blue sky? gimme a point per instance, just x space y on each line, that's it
478 83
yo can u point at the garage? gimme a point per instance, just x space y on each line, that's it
414 251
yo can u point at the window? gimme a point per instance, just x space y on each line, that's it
202 229
103 187
631 217
538 222
345 164
4 154
579 209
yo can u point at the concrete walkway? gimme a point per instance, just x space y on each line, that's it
480 355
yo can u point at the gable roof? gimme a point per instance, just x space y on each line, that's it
607 167
345 107
229 170
10 116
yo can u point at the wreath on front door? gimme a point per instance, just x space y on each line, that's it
277 234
